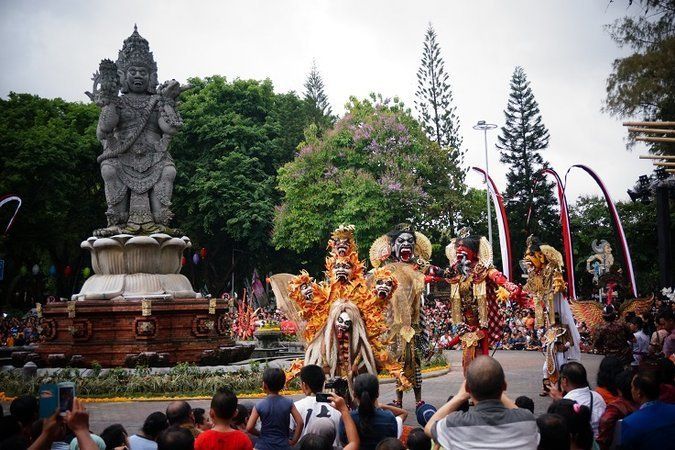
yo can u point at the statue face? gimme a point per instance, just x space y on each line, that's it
138 78
307 291
344 323
607 248
383 287
404 246
341 246
342 271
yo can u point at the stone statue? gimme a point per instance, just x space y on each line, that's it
137 256
602 261
135 129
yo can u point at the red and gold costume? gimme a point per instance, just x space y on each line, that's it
476 288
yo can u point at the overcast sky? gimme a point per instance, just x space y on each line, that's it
52 47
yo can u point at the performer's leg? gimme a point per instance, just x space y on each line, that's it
485 346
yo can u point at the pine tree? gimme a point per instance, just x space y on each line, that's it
521 140
434 101
316 99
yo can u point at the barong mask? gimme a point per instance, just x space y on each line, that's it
307 291
342 271
404 246
534 259
343 323
384 287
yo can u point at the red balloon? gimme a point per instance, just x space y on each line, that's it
202 252
183 261
68 271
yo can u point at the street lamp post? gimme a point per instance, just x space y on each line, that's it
484 127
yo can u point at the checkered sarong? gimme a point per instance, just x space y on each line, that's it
495 321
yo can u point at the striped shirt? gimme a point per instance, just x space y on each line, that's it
488 425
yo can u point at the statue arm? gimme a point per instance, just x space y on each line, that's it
107 121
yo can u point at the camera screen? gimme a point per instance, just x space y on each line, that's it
66 394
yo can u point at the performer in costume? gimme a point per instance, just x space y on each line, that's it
406 252
344 323
475 288
546 286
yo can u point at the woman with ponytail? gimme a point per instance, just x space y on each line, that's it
578 420
373 423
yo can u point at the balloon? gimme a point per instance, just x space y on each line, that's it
35 269
68 271
202 252
23 270
86 272
52 270
183 261
195 258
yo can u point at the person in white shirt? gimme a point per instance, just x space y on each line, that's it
573 385
641 343
312 380
145 439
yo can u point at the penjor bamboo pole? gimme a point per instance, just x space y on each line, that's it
665 164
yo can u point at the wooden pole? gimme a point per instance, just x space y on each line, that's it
655 139
651 130
649 124
664 164
657 156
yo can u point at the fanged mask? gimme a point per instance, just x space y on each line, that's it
344 323
465 259
384 287
307 292
534 261
342 271
404 246
341 246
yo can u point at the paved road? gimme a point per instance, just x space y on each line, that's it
523 376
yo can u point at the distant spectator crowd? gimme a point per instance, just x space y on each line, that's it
17 331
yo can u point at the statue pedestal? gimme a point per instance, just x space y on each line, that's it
125 333
136 267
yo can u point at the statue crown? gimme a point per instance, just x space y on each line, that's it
136 52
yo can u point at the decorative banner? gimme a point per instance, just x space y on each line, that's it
502 225
566 234
618 228
10 198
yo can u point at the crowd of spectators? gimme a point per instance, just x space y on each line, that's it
631 408
17 331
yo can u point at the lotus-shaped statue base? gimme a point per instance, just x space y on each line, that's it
136 267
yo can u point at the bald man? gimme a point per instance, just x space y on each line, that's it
179 413
494 422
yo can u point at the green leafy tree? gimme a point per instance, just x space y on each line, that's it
48 151
590 219
643 83
236 136
317 100
521 140
374 169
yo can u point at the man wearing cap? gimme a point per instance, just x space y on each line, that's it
494 422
